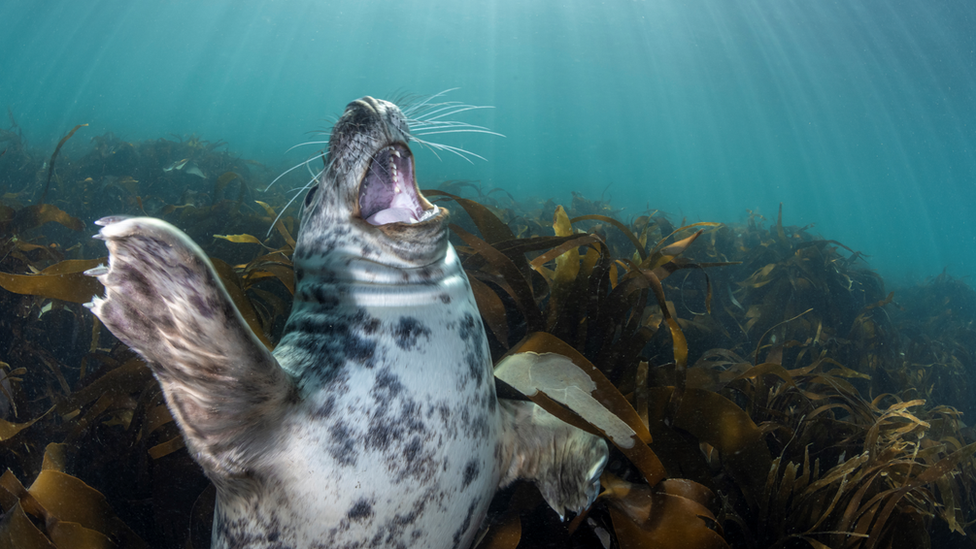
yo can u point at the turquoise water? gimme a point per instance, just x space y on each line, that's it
858 116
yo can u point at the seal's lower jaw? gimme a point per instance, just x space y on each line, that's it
388 192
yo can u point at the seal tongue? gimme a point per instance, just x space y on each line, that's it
388 193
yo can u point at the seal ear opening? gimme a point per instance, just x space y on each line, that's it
388 192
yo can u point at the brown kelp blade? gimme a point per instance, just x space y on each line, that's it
671 515
279 225
242 239
36 215
50 168
492 309
619 226
665 253
580 240
714 419
232 282
8 430
65 281
64 512
492 229
522 291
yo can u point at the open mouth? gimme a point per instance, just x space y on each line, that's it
388 192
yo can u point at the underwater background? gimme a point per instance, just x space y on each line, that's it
749 223
858 116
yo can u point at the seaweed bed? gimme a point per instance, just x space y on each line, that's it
782 397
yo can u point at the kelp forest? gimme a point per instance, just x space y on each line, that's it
758 385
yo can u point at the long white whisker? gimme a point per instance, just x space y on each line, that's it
297 194
435 108
282 212
417 126
308 165
451 149
442 125
306 143
428 118
424 144
289 170
465 130
413 108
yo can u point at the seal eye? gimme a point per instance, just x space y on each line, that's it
310 196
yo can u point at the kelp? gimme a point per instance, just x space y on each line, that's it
65 281
673 514
60 511
54 156
778 394
24 219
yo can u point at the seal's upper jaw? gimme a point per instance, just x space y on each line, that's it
388 190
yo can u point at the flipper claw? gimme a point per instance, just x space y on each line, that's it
108 220
97 271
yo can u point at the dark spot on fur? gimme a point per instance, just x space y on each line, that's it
477 427
385 381
380 435
343 448
477 367
445 299
412 451
445 412
467 327
471 470
361 350
326 410
407 331
361 510
333 337
370 326
327 277
205 309
321 294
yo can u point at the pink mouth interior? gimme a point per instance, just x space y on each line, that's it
388 193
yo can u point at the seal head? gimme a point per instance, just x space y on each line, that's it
370 185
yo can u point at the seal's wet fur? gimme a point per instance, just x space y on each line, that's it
375 422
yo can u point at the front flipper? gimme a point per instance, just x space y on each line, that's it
563 461
164 300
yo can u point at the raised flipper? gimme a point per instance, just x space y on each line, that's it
563 461
164 300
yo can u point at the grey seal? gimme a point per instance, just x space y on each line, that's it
375 422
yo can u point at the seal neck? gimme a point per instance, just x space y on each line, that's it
360 281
